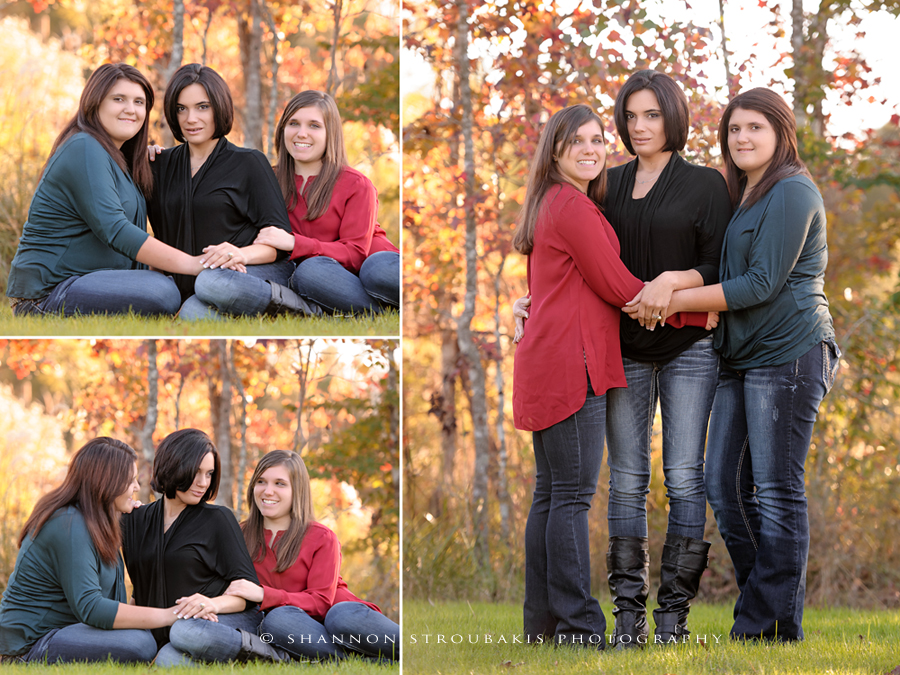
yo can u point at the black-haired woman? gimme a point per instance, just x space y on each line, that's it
183 550
85 245
212 198
65 600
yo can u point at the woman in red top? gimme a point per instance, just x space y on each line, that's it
310 612
564 366
345 261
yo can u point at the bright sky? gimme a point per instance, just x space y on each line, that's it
745 23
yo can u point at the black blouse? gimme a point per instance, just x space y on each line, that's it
678 225
231 198
203 551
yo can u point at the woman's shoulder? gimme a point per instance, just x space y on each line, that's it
64 521
352 179
80 145
798 185
316 531
702 173
215 512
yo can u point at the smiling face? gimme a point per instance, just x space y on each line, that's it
124 503
202 479
196 116
304 139
123 111
751 142
583 160
644 120
273 496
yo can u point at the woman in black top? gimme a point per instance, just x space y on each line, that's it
213 198
670 217
182 550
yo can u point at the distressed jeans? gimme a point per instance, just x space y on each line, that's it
759 435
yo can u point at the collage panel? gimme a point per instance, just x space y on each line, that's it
200 168
606 194
253 487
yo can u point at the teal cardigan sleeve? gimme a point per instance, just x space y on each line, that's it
85 173
77 565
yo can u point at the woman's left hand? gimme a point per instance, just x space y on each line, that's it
196 606
653 301
276 238
246 590
224 255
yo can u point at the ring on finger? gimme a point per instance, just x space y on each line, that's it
656 316
202 605
230 255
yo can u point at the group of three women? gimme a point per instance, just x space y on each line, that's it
672 245
204 588
226 227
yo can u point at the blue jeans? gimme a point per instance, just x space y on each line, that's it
296 632
328 283
685 387
360 628
80 642
558 600
192 640
109 292
218 291
760 430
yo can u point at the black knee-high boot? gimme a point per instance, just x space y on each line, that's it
683 562
628 572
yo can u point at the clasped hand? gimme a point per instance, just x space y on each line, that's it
224 255
196 606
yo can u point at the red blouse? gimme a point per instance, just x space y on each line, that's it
578 285
348 231
313 583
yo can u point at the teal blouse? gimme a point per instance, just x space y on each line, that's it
86 215
773 277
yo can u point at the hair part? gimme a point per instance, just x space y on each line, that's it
333 161
288 547
132 156
556 137
216 89
99 473
673 105
177 461
785 162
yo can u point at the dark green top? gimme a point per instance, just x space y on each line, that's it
86 215
773 278
59 580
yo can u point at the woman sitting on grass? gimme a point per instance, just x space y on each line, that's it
66 597
779 359
310 612
212 198
345 261
85 246
181 549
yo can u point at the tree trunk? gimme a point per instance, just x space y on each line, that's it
729 78
797 51
250 34
467 346
242 452
502 483
443 406
220 409
332 84
273 87
168 140
146 434
300 438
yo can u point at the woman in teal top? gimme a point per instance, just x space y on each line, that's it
66 594
85 245
779 359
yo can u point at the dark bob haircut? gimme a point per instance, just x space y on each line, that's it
672 103
177 460
218 92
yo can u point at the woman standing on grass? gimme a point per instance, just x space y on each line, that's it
181 549
65 600
670 217
212 198
779 359
310 612
85 246
346 263
565 365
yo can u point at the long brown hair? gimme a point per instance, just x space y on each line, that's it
785 162
132 157
556 137
99 472
333 161
288 547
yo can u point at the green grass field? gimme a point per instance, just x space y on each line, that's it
382 325
838 642
351 666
